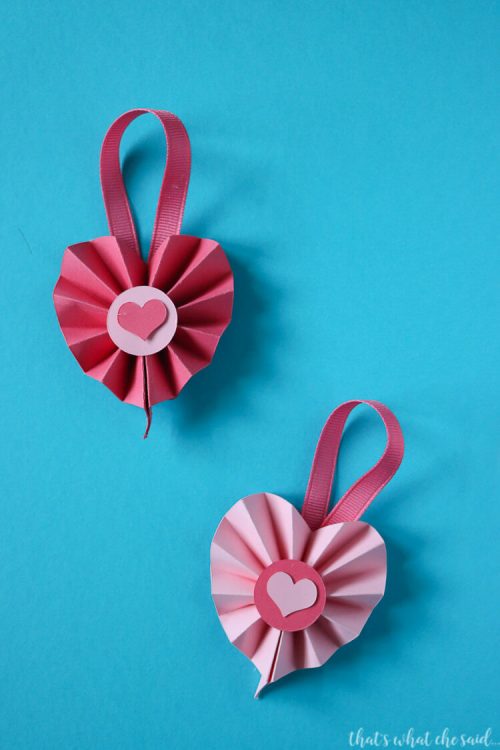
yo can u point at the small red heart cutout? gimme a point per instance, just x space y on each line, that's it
142 321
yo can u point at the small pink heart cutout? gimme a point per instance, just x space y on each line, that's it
142 321
290 596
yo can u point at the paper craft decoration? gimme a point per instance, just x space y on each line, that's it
291 589
143 328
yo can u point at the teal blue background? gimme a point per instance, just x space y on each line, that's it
344 156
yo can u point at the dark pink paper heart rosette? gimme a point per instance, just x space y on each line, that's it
144 328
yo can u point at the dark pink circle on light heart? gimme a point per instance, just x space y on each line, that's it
269 610
130 342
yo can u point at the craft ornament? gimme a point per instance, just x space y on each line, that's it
144 328
291 589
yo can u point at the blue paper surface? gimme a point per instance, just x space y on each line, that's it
345 155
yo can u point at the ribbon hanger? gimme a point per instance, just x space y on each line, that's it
174 184
355 501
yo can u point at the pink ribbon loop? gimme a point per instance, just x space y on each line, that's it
355 501
173 189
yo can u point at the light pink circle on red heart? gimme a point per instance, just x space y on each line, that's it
270 610
131 342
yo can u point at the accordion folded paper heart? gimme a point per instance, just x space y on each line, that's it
193 273
144 328
291 589
263 529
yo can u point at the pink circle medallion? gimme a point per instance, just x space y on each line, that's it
290 595
142 320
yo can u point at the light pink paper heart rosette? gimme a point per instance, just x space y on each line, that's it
105 284
291 589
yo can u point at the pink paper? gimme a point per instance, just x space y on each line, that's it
263 535
196 276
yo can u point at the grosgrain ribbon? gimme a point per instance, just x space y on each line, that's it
171 200
354 502
173 189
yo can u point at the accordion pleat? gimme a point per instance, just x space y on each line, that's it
264 528
195 274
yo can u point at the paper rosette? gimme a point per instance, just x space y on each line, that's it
193 272
347 559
